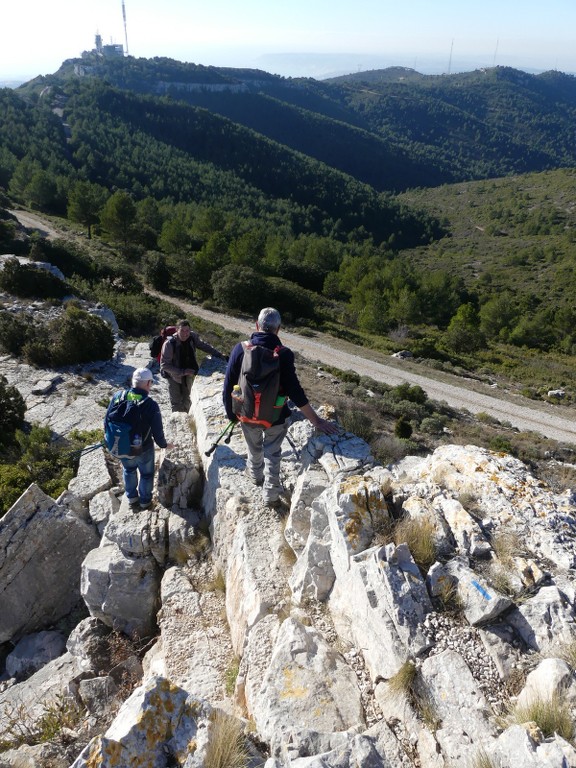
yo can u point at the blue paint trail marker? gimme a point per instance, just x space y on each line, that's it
482 591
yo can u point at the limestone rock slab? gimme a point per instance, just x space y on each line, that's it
42 545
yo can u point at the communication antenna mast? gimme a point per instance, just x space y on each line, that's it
495 52
449 61
125 29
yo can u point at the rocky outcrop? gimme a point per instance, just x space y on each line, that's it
42 546
324 641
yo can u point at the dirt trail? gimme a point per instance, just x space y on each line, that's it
554 422
30 221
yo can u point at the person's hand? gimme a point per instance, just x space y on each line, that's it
169 446
326 427
189 372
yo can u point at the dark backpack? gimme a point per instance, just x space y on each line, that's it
123 426
256 399
158 341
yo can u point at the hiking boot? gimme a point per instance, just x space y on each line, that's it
134 504
282 501
147 505
254 480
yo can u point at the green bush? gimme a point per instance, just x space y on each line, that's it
405 391
238 287
12 410
358 422
290 299
403 428
156 271
500 444
75 337
136 313
14 331
36 458
433 425
13 482
27 281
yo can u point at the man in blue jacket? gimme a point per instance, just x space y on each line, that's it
138 470
265 444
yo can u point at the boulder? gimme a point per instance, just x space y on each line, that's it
42 546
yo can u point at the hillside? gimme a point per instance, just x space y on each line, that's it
168 150
418 130
226 209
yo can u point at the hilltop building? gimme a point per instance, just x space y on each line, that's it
105 51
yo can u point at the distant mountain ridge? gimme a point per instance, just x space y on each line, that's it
393 129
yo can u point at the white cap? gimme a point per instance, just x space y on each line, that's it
141 375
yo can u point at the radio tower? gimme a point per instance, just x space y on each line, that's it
125 29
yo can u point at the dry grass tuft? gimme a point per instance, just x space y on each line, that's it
226 747
507 544
550 715
402 684
449 600
405 684
418 534
483 760
19 728
567 652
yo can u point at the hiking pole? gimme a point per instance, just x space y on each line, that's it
229 435
86 449
229 426
293 446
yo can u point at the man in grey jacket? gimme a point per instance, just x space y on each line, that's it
178 364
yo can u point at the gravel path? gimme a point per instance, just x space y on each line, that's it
554 422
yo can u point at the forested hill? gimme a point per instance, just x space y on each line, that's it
394 129
155 146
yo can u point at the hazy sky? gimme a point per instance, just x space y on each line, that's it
428 35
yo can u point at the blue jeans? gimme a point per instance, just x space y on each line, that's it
143 465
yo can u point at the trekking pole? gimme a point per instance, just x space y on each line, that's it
229 435
87 449
229 426
293 446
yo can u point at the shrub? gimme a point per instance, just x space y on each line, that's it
27 281
37 458
136 313
433 425
14 331
237 287
13 482
358 422
500 444
414 393
156 271
12 410
403 428
75 337
388 448
290 299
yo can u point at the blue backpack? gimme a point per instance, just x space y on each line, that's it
123 428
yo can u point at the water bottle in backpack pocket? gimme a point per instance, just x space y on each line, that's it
136 445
